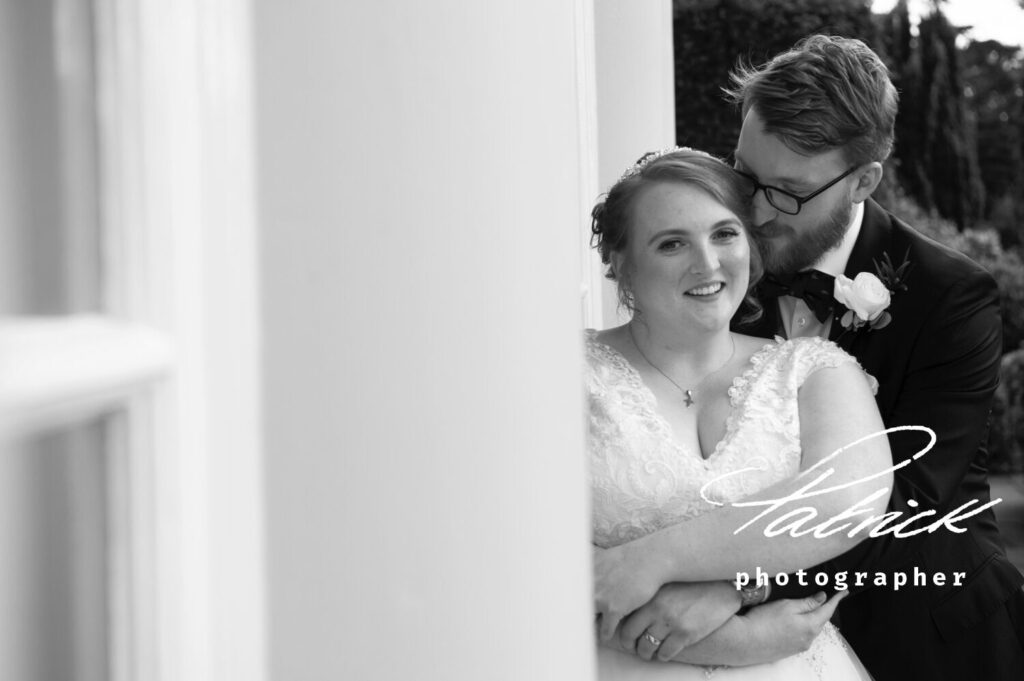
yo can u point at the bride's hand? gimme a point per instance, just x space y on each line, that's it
679 615
624 579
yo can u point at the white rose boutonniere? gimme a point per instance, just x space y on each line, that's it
867 299
867 296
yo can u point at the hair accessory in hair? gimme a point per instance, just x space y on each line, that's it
652 156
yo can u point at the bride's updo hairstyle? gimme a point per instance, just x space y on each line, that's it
612 217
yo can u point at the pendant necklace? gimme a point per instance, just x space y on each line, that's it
688 393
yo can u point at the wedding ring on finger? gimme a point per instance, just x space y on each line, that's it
648 644
654 641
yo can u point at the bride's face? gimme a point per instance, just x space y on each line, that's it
689 257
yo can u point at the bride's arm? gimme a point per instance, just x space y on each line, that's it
764 634
836 409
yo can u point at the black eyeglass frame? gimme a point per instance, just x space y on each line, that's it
800 200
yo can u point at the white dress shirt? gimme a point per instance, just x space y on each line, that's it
797 318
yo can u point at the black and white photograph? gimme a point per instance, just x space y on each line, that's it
596 340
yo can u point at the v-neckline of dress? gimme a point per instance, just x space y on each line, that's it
731 421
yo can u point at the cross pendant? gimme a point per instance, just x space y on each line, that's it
689 398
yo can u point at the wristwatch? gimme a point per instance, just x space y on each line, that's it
752 594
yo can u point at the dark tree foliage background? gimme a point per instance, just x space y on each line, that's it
957 171
710 36
995 95
937 153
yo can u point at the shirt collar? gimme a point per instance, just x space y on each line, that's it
834 261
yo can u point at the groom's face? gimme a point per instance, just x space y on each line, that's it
794 242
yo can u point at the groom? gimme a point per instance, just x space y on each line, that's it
817 125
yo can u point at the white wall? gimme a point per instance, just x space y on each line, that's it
29 154
29 157
53 618
635 93
419 193
48 215
52 592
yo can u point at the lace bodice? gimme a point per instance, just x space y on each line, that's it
643 480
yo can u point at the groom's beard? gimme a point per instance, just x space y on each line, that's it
792 253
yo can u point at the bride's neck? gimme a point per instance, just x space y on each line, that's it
684 350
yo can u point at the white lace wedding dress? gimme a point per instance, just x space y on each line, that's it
643 481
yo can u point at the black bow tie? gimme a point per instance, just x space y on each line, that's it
813 287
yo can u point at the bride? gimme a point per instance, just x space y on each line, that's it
686 418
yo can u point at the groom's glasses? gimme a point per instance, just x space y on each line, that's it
783 201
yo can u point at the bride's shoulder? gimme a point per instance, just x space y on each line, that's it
605 365
755 351
814 347
804 346
605 341
803 356
747 346
807 353
603 348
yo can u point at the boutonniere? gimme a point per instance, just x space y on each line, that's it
867 296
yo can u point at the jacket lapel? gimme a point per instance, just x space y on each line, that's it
871 242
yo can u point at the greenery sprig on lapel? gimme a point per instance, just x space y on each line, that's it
868 296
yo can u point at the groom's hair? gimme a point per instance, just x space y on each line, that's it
826 93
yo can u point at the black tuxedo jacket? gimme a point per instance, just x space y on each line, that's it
937 365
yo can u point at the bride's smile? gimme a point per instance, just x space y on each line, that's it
706 290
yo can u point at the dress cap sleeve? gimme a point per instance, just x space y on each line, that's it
814 353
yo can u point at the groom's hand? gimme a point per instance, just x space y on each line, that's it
680 614
788 627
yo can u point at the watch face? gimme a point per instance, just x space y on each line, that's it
752 595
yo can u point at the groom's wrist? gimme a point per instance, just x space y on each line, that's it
753 594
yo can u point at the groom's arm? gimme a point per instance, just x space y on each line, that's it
949 388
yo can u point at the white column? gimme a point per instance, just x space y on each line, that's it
635 93
419 197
